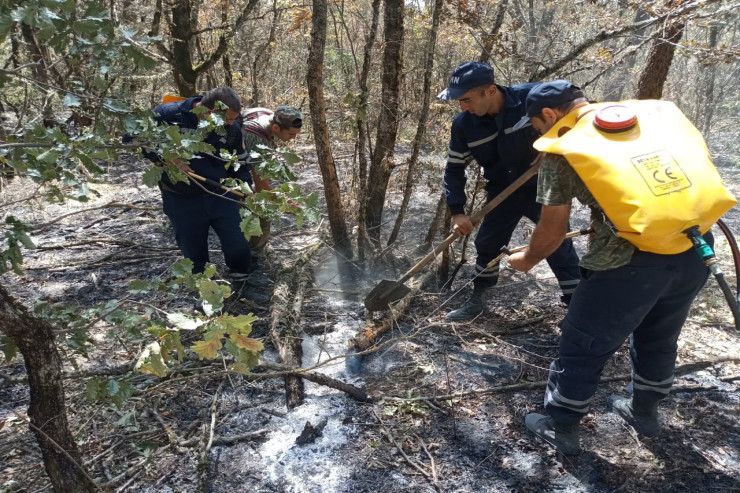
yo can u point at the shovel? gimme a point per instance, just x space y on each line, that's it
388 291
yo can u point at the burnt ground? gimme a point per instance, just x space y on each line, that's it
449 399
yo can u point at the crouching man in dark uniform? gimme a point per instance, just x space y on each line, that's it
193 208
483 131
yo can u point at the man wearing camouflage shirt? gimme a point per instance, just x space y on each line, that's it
624 293
265 127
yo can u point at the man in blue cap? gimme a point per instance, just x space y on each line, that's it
625 293
483 131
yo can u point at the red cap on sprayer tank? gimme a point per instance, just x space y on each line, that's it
615 118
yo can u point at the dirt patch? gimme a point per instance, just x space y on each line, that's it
414 437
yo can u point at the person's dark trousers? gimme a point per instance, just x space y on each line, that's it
496 230
648 299
191 217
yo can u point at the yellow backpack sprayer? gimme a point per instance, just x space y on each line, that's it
649 169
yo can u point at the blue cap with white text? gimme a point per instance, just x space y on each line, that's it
467 76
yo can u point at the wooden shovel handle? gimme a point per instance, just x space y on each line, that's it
571 234
475 219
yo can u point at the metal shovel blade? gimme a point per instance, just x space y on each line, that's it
385 293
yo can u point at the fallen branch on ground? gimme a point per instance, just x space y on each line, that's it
370 334
355 392
285 331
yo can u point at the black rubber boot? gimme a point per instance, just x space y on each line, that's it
254 279
563 437
643 416
473 306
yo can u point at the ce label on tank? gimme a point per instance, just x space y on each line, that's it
660 172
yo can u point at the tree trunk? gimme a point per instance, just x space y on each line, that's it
225 60
437 220
706 107
183 33
47 76
182 54
443 270
363 135
262 55
659 59
382 163
490 38
48 415
317 104
421 127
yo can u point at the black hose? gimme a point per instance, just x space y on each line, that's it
735 253
710 260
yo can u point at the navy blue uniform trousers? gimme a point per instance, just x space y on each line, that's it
191 218
647 299
496 230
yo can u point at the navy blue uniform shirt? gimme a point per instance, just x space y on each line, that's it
211 166
503 153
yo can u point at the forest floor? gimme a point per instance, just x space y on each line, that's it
449 400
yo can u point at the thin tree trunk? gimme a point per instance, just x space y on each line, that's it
443 271
363 136
263 54
438 215
490 38
225 60
48 415
707 108
47 76
317 104
382 163
423 117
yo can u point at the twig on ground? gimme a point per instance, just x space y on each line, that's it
171 435
432 466
225 440
112 481
389 435
114 241
104 206
128 483
204 462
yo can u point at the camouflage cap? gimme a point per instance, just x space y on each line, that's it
288 116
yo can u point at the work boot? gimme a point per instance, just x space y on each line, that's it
259 299
253 280
473 306
563 437
643 416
